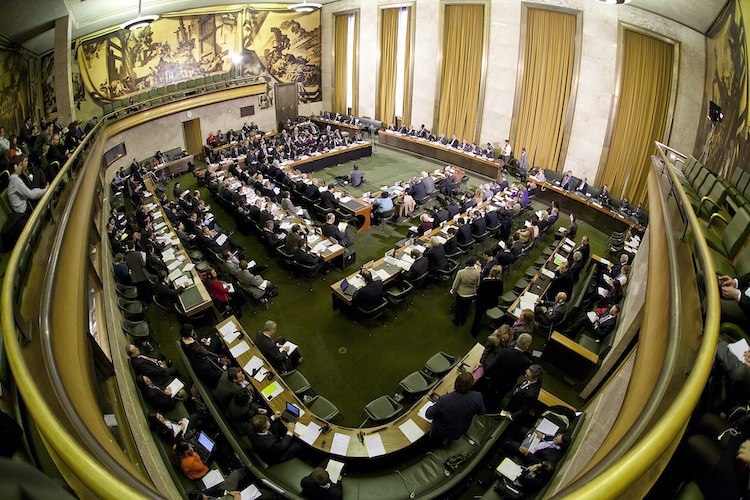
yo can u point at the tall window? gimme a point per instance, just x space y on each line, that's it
346 40
395 59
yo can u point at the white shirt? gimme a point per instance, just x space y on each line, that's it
506 150
4 144
19 193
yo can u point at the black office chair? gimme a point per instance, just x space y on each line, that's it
371 314
296 382
130 308
466 246
306 271
398 294
446 274
126 291
439 363
322 408
139 333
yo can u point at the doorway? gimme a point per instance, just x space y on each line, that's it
191 130
286 103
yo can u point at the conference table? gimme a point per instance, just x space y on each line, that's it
174 167
344 127
194 299
216 149
585 207
450 155
316 162
379 440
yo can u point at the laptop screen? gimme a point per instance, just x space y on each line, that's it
344 284
206 442
292 409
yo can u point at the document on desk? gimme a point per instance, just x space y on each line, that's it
335 248
311 433
176 273
738 349
299 428
380 274
547 428
213 478
411 430
509 469
570 242
227 328
272 390
392 261
173 265
374 445
221 239
559 259
548 273
340 444
188 267
567 248
250 493
183 282
605 262
239 349
423 411
231 336
260 375
292 347
254 363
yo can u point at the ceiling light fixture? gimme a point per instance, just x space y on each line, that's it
139 22
305 7
615 2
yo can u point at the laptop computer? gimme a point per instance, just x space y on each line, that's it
291 413
347 287
205 446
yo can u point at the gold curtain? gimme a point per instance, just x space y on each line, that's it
463 45
407 64
387 83
545 93
340 36
645 85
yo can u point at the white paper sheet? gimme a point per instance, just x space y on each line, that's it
340 444
509 469
254 363
374 445
547 428
232 336
239 349
423 410
411 430
738 349
260 375
175 386
250 493
334 469
311 434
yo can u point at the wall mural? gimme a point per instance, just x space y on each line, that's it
274 45
19 84
727 85
49 99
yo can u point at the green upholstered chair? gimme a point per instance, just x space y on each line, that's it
130 307
440 363
136 329
323 408
296 382
382 408
729 241
417 383
713 201
126 291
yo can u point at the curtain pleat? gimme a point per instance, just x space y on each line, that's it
463 44
641 115
545 92
387 85
407 73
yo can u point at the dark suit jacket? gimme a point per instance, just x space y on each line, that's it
332 231
464 234
606 327
225 390
305 258
137 266
489 293
744 282
369 296
452 208
418 191
509 364
523 401
270 350
491 219
576 268
437 258
312 192
313 491
270 447
417 269
562 282
452 414
206 371
450 246
440 216
328 200
585 252
479 226
156 373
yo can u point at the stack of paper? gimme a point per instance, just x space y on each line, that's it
254 363
423 411
509 469
175 387
272 390
548 273
213 478
250 493
311 433
334 469
340 444
547 428
239 349
411 430
739 348
374 445
380 274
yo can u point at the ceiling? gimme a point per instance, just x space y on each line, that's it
30 23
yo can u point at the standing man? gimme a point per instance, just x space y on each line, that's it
507 151
509 364
465 289
452 414
523 165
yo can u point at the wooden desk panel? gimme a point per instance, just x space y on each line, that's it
321 161
476 164
393 439
174 167
344 127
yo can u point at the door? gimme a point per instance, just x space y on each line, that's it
286 103
191 130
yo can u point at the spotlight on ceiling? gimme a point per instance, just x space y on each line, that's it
615 2
139 22
305 7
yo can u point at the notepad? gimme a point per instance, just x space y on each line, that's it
548 273
334 469
250 493
221 239
292 347
260 375
509 469
173 265
340 444
374 445
232 336
239 349
411 430
423 411
254 363
227 328
176 273
591 315
738 349
188 267
272 390
175 386
547 428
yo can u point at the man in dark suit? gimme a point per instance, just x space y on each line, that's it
436 254
153 368
312 192
577 266
327 199
274 445
549 314
440 216
549 448
331 230
735 293
584 249
464 232
318 486
302 256
273 349
523 400
370 295
606 323
242 408
418 191
229 383
509 364
419 267
206 369
490 262
452 414
582 186
478 225
562 282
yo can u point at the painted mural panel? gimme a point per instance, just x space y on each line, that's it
273 45
725 147
19 79
49 99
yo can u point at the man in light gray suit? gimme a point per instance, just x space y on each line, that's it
523 164
428 183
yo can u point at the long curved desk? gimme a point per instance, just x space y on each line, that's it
392 437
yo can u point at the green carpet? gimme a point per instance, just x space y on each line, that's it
342 362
